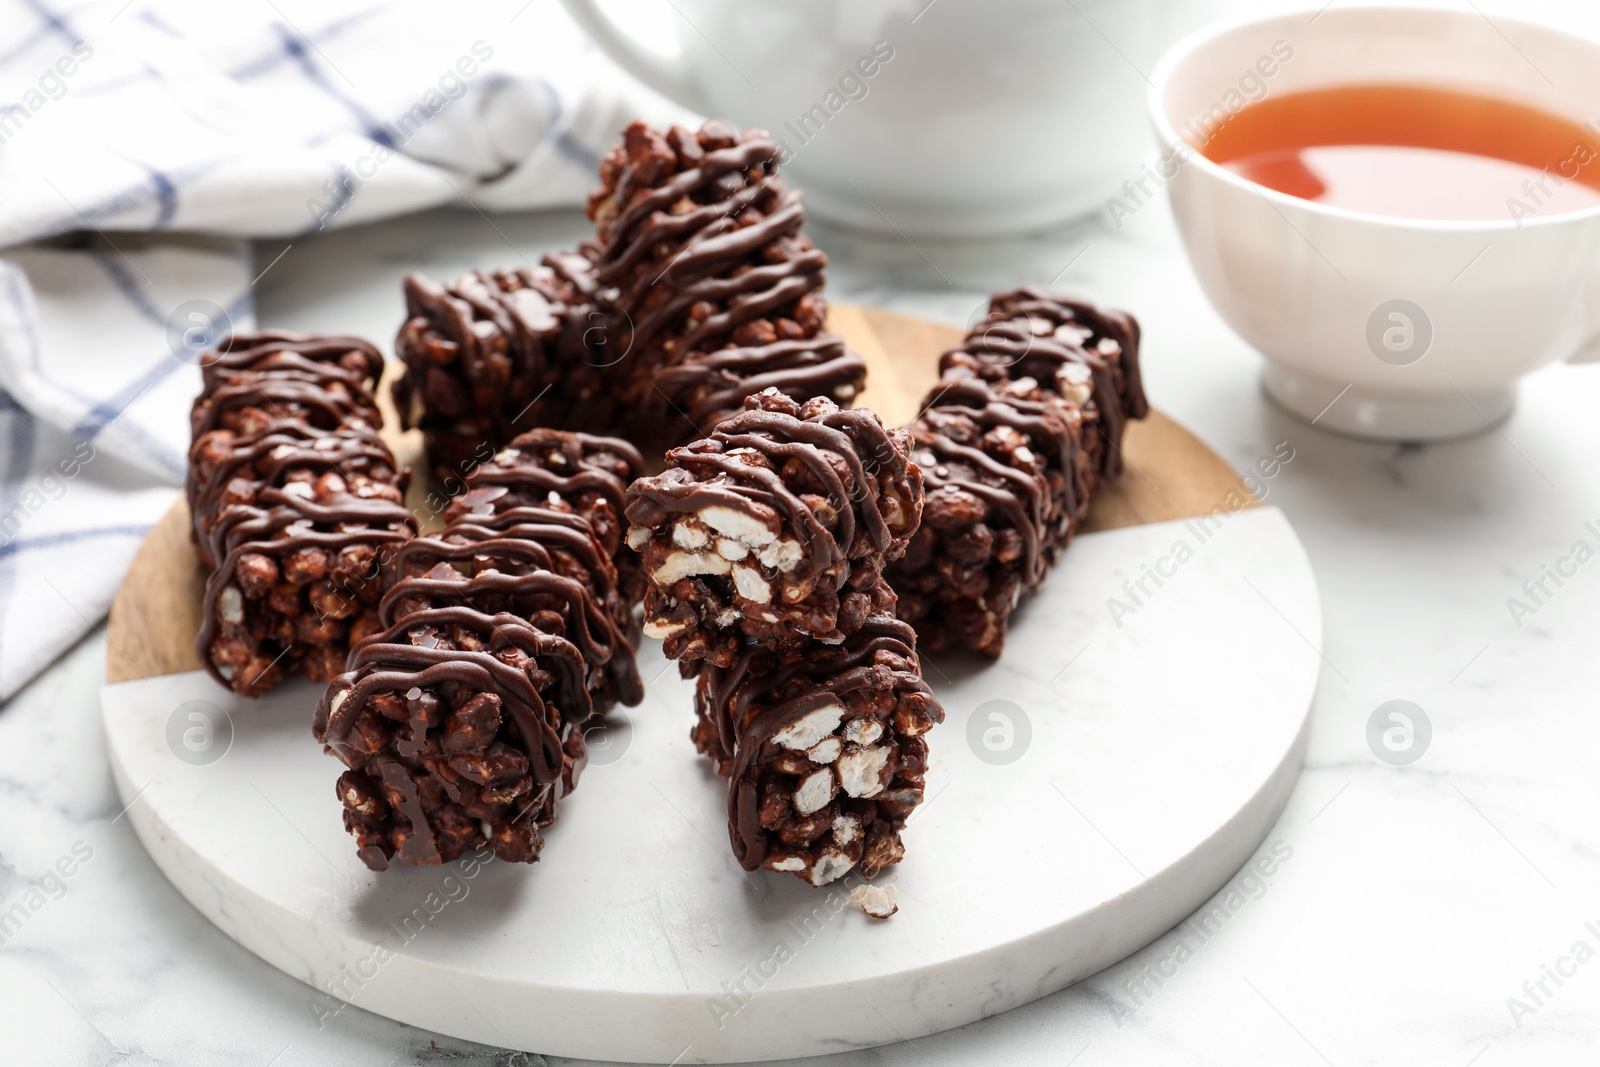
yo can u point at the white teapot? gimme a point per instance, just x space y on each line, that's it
940 117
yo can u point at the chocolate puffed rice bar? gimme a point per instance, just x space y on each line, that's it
823 751
710 290
459 728
1024 425
774 529
293 500
495 353
461 722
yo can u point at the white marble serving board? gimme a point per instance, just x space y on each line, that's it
1163 745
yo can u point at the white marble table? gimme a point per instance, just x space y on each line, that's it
1415 902
1409 903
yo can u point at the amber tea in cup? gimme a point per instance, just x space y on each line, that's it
1414 152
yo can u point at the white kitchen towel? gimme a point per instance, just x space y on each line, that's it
130 127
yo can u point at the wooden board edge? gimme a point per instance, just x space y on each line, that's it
156 612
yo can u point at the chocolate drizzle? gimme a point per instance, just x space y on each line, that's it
1088 354
314 355
544 563
721 474
501 637
824 497
498 639
495 353
547 468
277 375
281 524
744 706
1104 332
400 665
271 456
488 707
712 387
1025 423
292 495
1018 494
708 284
574 466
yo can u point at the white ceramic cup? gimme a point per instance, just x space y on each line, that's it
1409 329
979 117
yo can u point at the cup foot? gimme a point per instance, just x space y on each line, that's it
1358 412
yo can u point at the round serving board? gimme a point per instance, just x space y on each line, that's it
1087 791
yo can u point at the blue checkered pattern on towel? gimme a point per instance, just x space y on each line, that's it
124 121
